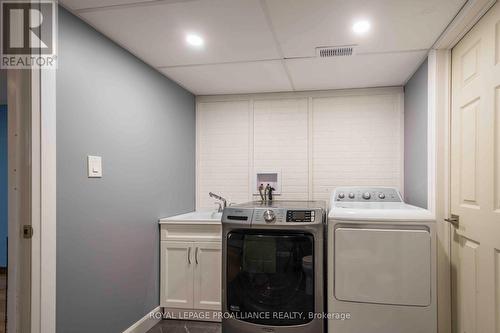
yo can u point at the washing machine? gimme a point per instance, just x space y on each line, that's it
381 263
273 267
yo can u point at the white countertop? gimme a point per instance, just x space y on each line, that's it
197 217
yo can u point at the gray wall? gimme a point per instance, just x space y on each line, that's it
111 104
3 87
416 138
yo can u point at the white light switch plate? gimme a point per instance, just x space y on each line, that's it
94 166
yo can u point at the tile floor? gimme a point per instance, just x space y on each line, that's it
183 326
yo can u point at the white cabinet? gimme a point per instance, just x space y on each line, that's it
191 267
207 276
177 275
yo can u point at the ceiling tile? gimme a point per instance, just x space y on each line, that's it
358 71
240 53
233 78
88 4
232 30
397 25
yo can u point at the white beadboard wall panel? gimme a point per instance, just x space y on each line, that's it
356 141
318 140
222 151
280 143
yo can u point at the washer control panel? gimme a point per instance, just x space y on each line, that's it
297 216
268 215
368 194
283 216
274 214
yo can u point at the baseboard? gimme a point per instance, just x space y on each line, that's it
192 315
145 323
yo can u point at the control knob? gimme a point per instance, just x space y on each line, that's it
366 195
381 196
341 196
269 216
351 195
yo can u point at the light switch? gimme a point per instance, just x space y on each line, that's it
94 166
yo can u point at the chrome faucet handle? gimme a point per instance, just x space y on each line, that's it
218 197
220 209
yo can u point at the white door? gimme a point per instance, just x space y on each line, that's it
177 273
475 177
207 276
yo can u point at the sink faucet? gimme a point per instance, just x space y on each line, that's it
218 197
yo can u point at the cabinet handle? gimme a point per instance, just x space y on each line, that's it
189 255
196 255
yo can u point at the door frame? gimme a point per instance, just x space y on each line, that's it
439 144
39 102
439 108
46 168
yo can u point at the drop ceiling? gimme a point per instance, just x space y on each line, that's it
270 45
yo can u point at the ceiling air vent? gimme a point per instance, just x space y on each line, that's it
334 51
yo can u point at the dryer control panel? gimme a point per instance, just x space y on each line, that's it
367 194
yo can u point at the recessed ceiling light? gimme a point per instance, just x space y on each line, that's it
194 40
361 27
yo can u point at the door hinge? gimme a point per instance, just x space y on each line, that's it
27 231
454 220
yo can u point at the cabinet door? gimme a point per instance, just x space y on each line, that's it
177 273
207 276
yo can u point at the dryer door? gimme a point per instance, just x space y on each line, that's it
384 266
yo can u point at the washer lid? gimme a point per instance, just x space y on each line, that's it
378 211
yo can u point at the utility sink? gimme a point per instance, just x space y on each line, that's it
197 217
